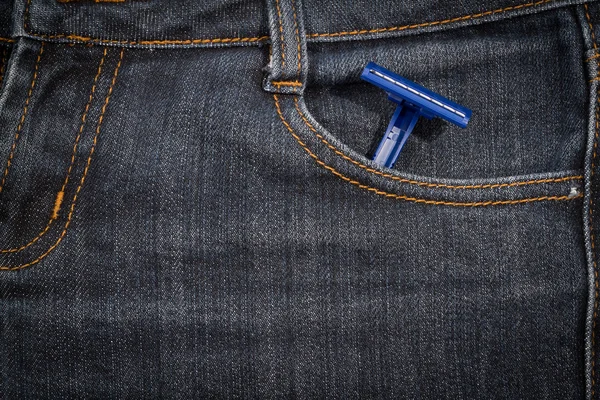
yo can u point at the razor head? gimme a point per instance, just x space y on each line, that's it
402 90
413 101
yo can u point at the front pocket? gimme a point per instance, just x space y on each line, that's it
54 105
344 163
526 138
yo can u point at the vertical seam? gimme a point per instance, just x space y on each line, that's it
26 16
82 180
592 239
60 195
22 119
591 214
297 39
3 66
280 34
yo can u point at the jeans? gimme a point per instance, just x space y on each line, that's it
188 206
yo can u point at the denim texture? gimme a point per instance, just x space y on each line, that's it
188 209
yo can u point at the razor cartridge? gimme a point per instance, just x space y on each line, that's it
413 101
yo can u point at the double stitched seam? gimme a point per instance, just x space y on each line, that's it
7 40
293 84
280 34
22 119
83 177
421 183
3 64
404 197
297 39
591 215
265 38
60 195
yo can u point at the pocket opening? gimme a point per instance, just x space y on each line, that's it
344 163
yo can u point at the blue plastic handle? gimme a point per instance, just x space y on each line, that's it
413 101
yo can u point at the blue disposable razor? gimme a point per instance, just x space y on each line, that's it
413 101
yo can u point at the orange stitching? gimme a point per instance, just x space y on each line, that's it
7 40
60 196
153 42
281 34
134 42
427 184
407 198
286 83
22 120
591 225
264 38
57 204
3 66
427 24
26 15
589 20
592 57
81 182
297 39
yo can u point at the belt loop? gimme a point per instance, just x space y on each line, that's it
288 62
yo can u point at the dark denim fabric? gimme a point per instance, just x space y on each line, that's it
188 208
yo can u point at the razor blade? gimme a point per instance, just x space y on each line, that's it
413 101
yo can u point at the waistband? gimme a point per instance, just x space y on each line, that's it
204 23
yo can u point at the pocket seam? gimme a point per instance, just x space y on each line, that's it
81 181
384 193
60 195
423 183
13 147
